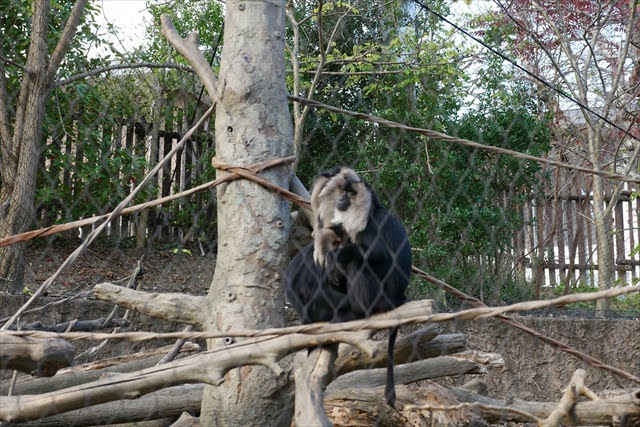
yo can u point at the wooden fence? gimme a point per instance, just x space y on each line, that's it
558 245
180 173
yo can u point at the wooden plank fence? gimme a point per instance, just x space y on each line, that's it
558 245
184 169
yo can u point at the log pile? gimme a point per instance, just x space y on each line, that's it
339 383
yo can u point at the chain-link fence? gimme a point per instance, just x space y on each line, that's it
504 139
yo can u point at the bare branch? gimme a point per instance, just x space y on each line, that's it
574 390
189 49
113 67
622 59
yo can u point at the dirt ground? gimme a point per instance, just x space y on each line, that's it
166 268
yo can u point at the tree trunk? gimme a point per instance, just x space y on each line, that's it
21 151
600 219
252 124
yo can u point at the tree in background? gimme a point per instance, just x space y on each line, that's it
37 36
590 50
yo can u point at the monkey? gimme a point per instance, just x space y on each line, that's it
374 254
374 257
361 253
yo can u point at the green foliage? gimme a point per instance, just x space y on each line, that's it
89 168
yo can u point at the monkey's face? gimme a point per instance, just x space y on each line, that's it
341 198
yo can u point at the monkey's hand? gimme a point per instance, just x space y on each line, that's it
324 240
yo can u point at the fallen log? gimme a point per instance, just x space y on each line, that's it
422 405
167 403
92 371
358 406
35 356
433 404
408 373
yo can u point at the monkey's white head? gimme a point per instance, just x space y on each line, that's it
339 197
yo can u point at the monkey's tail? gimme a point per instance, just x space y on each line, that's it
390 387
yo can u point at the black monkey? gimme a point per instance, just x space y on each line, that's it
367 263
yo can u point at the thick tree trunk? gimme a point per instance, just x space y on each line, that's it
21 153
252 124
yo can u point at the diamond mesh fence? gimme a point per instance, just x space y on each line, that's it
507 150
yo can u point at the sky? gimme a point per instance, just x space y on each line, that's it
129 16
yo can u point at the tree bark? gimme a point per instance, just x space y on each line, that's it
601 221
21 150
252 124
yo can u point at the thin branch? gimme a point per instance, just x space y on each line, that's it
113 67
447 138
413 312
12 62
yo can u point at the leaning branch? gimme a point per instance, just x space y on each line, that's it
94 234
188 48
65 39
591 361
